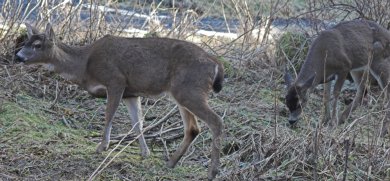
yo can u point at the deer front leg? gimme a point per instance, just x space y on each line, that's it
386 123
113 98
386 89
381 72
134 107
326 101
360 79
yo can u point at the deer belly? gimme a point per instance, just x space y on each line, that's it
97 90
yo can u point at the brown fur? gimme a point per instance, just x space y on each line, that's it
348 47
116 67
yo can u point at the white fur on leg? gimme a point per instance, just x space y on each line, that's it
134 107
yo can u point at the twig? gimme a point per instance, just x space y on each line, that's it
65 122
172 112
103 164
346 145
8 176
57 92
163 132
129 137
165 145
315 174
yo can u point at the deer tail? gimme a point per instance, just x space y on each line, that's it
218 78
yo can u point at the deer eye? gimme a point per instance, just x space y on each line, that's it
37 46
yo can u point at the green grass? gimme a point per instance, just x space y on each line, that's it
36 137
34 146
292 47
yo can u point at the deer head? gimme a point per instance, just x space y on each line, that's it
296 97
38 47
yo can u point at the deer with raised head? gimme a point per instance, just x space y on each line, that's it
358 47
120 68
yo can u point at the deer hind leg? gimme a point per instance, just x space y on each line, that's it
134 108
336 93
196 103
113 99
360 78
191 130
386 89
386 124
381 73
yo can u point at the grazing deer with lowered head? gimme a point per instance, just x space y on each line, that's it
359 47
125 68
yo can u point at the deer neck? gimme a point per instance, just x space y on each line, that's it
69 62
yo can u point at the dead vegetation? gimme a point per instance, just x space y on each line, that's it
49 128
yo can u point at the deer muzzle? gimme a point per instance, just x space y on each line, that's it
20 57
294 117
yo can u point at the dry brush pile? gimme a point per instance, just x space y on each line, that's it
259 144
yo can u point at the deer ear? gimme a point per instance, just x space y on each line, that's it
49 32
31 30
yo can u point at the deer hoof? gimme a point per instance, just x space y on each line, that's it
171 164
342 118
384 132
212 173
145 153
332 123
102 147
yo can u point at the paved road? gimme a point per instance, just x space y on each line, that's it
136 18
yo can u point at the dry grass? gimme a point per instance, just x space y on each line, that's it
49 127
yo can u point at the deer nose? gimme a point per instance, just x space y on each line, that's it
19 57
292 122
